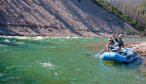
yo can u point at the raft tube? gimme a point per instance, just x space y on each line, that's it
124 57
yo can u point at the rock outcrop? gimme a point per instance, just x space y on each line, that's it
58 18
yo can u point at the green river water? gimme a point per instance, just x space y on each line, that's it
44 60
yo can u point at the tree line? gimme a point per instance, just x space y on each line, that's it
133 11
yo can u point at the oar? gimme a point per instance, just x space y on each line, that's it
102 51
143 55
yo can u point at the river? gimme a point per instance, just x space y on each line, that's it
45 60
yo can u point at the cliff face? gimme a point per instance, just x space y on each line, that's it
58 18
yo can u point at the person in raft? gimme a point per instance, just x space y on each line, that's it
118 42
115 43
110 45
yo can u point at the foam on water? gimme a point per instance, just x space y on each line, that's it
18 37
2 45
6 40
22 37
47 65
20 43
43 37
98 54
1 74
38 38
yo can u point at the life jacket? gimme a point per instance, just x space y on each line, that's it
119 42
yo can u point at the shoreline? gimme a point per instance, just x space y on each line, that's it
99 35
139 47
128 44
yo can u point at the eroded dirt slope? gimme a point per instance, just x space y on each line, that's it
58 18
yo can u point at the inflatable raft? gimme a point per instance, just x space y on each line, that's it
126 55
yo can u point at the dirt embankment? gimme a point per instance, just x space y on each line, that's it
58 18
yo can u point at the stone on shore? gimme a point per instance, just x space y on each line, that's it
140 47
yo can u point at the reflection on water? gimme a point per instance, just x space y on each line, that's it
44 60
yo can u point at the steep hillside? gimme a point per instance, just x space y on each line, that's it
58 18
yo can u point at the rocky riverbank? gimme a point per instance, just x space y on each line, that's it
140 47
